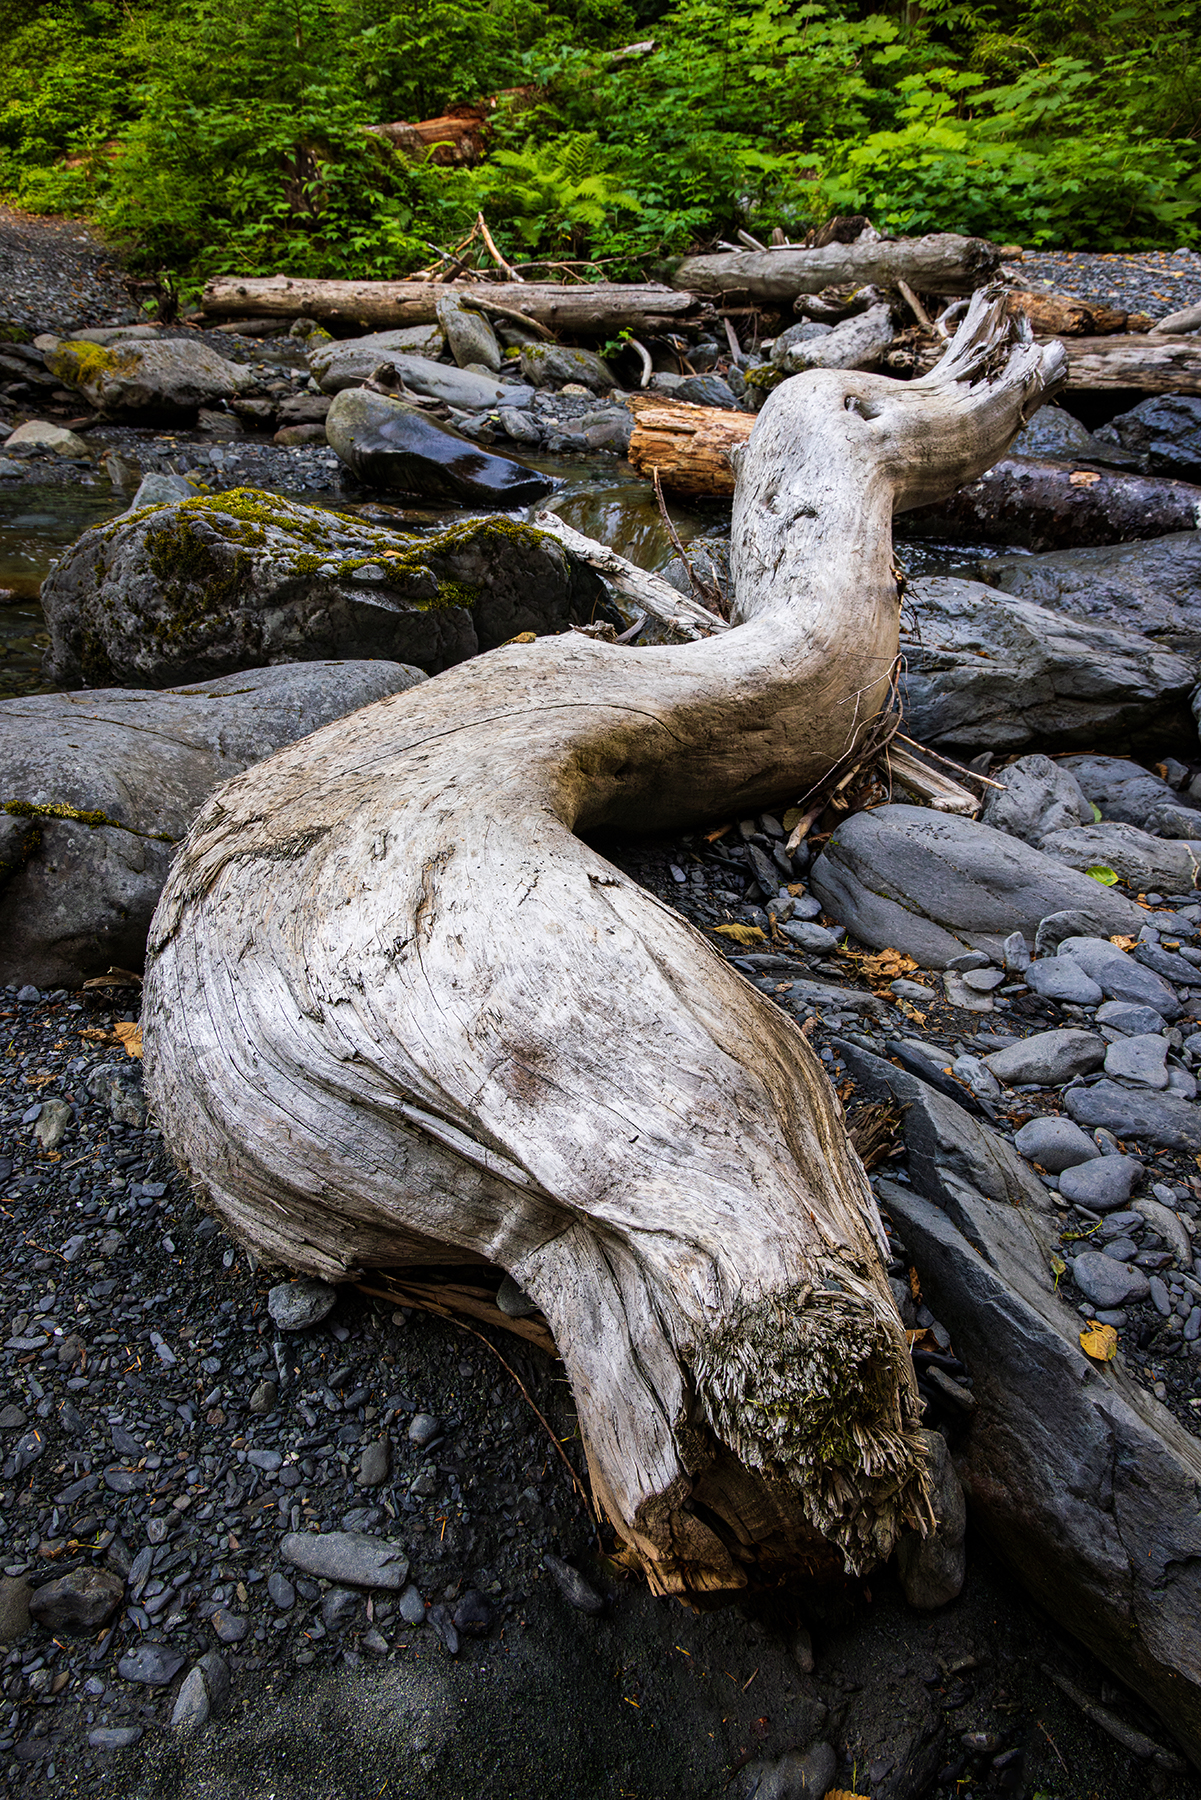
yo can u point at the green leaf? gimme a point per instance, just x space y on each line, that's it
1099 872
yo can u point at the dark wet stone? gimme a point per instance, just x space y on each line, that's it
230 1627
153 1665
443 1624
571 1584
82 1601
347 1556
473 1615
389 444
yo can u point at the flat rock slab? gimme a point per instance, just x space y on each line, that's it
1164 1121
349 1557
933 885
1084 1482
101 786
1152 586
337 363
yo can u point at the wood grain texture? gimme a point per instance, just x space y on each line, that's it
395 1005
689 445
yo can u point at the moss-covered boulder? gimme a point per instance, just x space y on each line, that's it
555 365
155 378
205 587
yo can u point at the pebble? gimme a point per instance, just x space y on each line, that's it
191 1709
81 1601
299 1305
1055 1144
339 1607
411 1606
348 1557
571 1584
1108 1283
1101 1184
473 1615
808 936
374 1464
444 1626
1048 1058
281 1591
1141 1060
1160 1297
423 1429
152 1665
262 1400
230 1627
1059 978
114 1737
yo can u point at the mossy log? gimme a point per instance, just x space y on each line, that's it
397 1009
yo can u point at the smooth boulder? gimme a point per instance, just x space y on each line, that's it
96 789
469 336
233 581
387 443
932 885
555 365
1124 790
1035 796
987 671
348 362
461 388
1053 432
1152 586
163 378
1146 862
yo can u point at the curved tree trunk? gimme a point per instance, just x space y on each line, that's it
394 1004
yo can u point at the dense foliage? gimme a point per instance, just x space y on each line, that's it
208 135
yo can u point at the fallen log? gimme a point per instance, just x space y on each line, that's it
396 1008
941 263
1054 505
580 310
1157 365
1062 315
690 446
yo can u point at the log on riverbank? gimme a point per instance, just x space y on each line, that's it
397 1007
1056 505
942 263
690 446
1157 365
582 310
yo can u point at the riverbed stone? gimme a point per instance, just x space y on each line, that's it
15 1595
469 336
299 1305
191 1709
349 1558
1102 1185
1152 586
1036 796
152 380
1140 1060
1165 1121
1119 976
338 363
1107 1282
1122 789
150 1664
1162 434
1059 978
1049 1057
1055 1144
932 885
81 1601
932 1568
121 774
38 437
386 442
1147 863
228 582
1054 433
1131 1021
987 670
554 365
797 1775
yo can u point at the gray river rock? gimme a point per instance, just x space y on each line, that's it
209 586
100 786
157 379
339 363
932 885
1146 862
1152 586
987 670
1163 433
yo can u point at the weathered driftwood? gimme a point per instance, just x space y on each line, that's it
691 446
1158 365
941 263
396 1007
634 587
1053 505
1063 315
581 310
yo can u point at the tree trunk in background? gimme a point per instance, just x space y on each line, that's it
396 1008
583 310
939 264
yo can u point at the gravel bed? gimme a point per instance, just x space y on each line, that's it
1155 282
56 273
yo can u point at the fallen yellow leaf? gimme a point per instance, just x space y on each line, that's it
1124 943
792 818
843 1794
1099 1341
742 934
130 1035
882 965
1083 478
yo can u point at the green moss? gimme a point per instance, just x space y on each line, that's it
79 362
197 583
451 593
58 809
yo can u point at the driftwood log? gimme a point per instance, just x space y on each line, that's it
941 263
582 310
396 1008
1157 365
691 446
1063 315
1045 505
